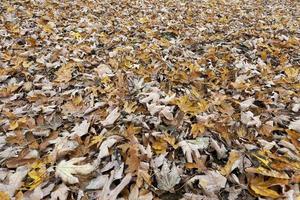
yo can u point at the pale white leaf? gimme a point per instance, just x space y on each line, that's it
166 112
211 182
134 193
104 148
154 108
60 193
247 103
98 182
107 194
148 196
103 70
248 119
80 129
14 181
111 118
190 147
66 169
37 194
295 125
167 178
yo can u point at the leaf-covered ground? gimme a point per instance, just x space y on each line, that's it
154 99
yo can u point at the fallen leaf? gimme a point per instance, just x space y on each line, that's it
167 178
66 169
4 195
261 187
60 193
64 74
111 118
267 172
233 162
295 125
211 182
80 129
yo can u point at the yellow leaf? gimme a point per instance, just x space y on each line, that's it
197 129
77 100
188 106
170 139
64 74
37 175
76 35
160 146
164 42
143 20
260 156
4 195
14 125
267 172
96 140
130 107
37 164
37 179
47 28
233 157
264 55
291 72
262 188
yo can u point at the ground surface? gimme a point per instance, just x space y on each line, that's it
149 99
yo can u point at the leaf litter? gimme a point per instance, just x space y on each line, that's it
145 100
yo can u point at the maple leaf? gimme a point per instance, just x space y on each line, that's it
193 107
66 169
167 178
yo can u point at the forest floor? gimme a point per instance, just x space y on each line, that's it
149 99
